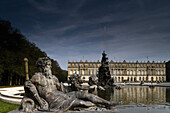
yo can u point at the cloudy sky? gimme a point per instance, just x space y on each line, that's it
74 29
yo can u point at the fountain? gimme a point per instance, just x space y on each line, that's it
104 75
44 93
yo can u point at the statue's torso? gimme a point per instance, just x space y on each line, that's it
44 84
46 87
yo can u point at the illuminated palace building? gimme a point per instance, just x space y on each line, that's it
122 71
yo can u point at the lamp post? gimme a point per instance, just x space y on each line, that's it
26 68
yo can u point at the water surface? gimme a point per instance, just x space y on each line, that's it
140 99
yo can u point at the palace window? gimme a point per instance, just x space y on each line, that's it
127 72
74 71
135 79
114 72
151 72
143 72
162 78
122 79
159 72
160 65
162 72
89 72
139 65
131 72
118 72
71 72
92 72
116 79
96 71
121 72
83 71
151 78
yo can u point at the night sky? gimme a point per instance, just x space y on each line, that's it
74 29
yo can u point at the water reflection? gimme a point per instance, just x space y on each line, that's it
140 99
135 95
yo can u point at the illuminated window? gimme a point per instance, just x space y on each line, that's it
74 71
162 72
71 72
83 71
121 72
114 72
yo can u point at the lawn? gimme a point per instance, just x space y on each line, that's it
6 107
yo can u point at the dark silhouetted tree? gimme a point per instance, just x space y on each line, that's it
14 47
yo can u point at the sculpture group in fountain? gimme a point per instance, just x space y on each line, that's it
43 92
104 76
76 83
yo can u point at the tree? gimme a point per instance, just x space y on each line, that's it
14 47
168 71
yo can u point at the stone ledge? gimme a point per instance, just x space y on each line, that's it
108 111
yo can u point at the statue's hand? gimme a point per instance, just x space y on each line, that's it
101 88
44 106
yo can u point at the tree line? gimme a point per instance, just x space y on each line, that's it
14 47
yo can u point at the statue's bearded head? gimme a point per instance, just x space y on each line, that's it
44 65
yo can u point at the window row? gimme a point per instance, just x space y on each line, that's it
90 72
140 72
84 65
137 65
135 79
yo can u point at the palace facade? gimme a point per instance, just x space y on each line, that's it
122 71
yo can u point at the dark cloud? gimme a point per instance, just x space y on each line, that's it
71 29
